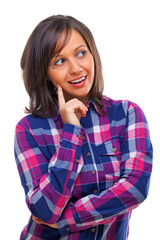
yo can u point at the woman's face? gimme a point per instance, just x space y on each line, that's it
73 69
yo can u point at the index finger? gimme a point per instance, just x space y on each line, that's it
61 99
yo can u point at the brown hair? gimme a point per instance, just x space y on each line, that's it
38 52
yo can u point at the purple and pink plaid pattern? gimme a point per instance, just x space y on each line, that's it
87 179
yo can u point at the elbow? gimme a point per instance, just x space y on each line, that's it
142 187
146 190
42 210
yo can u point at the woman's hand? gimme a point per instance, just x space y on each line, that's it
70 111
40 222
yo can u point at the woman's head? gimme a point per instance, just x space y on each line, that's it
73 68
46 42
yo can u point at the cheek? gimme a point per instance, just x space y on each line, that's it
55 77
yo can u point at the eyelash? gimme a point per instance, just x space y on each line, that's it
83 51
63 60
56 63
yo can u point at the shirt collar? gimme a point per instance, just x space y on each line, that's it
92 103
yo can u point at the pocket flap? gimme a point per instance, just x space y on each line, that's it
111 147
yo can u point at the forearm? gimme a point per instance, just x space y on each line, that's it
123 197
104 207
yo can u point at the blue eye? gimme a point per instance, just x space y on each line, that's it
59 62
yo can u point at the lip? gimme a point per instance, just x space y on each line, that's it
77 78
81 84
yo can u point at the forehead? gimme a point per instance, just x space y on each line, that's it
69 41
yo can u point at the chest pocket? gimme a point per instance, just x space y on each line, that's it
109 154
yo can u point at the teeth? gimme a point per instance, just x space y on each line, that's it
78 80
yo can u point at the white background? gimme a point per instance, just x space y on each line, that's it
127 34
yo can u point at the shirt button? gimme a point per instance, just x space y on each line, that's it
88 154
95 191
93 229
114 149
79 136
93 172
67 229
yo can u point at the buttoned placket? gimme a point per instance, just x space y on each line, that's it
87 155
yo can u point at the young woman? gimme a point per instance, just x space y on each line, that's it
84 159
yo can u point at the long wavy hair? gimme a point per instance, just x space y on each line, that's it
40 48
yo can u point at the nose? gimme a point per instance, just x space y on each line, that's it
74 67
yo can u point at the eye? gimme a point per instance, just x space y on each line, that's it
59 62
81 53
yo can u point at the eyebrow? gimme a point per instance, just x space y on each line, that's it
79 47
74 51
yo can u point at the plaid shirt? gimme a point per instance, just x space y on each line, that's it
85 178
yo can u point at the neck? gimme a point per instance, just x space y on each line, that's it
84 100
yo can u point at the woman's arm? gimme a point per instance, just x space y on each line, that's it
48 185
128 192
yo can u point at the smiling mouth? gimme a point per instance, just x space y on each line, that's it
78 80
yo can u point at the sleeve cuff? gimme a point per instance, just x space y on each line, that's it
64 228
73 133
